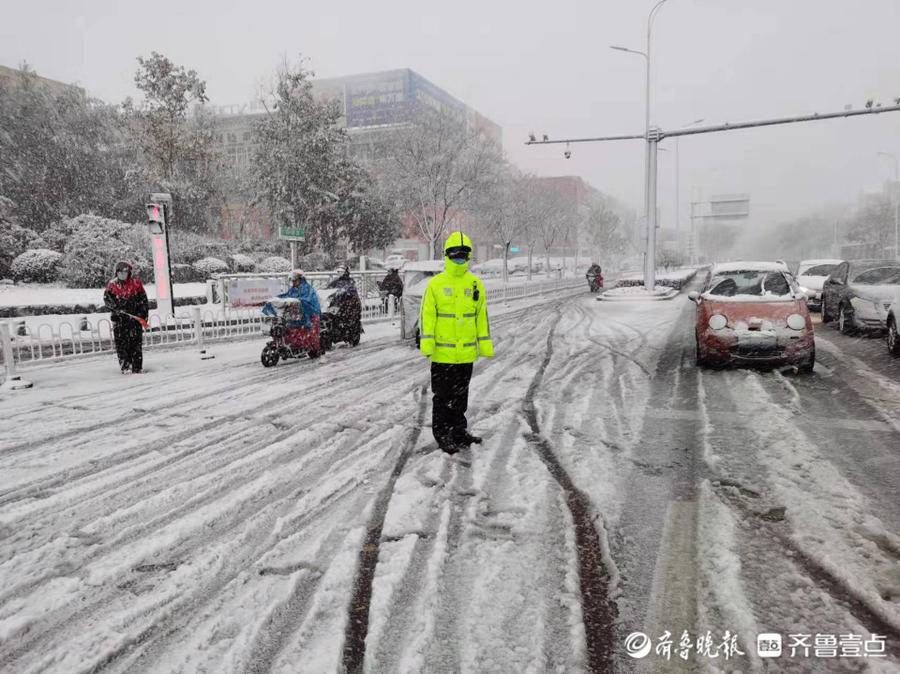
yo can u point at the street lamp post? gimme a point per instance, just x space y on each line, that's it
896 202
649 161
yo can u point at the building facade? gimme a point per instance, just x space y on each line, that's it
10 76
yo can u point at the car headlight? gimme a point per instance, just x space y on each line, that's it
717 321
796 322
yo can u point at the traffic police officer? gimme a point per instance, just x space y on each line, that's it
454 332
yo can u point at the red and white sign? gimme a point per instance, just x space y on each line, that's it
252 292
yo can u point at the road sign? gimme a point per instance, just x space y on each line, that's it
514 249
292 233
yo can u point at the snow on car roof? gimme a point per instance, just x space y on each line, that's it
810 263
746 265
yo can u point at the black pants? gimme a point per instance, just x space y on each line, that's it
450 385
129 338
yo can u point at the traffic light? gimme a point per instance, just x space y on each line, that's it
156 218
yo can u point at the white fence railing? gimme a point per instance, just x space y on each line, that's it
60 339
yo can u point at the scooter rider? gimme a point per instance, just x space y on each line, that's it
594 277
391 284
302 290
347 297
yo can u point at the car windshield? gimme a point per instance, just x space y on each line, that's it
879 276
750 282
818 270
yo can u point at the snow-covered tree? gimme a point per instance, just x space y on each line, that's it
502 208
93 249
305 176
605 228
63 153
437 167
175 133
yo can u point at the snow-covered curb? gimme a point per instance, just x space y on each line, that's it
637 293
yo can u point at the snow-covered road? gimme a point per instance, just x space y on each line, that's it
216 516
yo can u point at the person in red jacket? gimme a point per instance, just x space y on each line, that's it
126 299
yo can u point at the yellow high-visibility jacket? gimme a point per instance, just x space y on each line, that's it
453 324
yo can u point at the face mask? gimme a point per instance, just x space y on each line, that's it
122 275
459 260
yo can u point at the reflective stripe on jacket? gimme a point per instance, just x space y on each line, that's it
453 325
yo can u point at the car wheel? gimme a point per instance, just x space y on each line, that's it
807 366
325 341
269 356
845 320
893 339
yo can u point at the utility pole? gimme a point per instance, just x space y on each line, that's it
895 202
656 135
649 158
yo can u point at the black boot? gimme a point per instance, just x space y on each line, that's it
449 447
470 439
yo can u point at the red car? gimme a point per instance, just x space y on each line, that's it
753 313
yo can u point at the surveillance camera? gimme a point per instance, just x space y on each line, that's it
568 154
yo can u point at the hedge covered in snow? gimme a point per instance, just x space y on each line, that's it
15 240
274 264
208 266
242 263
36 266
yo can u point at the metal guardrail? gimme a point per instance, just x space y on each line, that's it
64 340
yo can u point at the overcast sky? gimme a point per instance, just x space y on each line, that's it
546 67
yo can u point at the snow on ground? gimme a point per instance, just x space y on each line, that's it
212 515
662 275
638 293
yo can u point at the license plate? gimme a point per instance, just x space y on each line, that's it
756 341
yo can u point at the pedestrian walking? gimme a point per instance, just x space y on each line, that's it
126 298
454 332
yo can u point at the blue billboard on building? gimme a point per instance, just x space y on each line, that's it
396 97
379 98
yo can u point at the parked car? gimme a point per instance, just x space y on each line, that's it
893 325
753 313
811 275
858 294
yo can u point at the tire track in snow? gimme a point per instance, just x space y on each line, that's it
38 488
264 379
223 460
828 568
354 650
598 610
247 536
446 527
236 520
